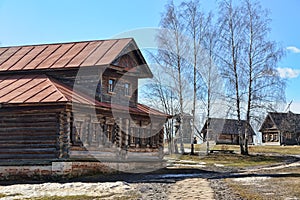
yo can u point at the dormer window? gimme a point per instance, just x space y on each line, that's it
111 85
127 89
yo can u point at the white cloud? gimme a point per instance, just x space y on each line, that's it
295 107
293 49
288 72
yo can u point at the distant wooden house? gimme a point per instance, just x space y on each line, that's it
281 129
225 131
186 127
76 101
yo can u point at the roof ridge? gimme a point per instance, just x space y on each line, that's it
67 42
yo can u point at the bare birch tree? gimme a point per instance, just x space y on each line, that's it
231 45
210 75
264 86
196 28
162 96
251 67
238 43
172 50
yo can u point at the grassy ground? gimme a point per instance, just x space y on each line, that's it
234 160
270 188
265 184
283 150
253 149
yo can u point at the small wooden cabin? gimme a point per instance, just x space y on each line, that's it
225 131
76 101
281 129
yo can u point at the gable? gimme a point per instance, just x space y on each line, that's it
131 60
281 121
268 123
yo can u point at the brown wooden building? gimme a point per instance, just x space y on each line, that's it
281 129
76 101
225 131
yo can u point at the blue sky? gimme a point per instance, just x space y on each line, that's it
49 21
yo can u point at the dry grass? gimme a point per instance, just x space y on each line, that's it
272 188
285 185
283 150
9 195
243 191
234 160
2 195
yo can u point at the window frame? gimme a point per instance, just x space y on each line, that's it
111 90
127 91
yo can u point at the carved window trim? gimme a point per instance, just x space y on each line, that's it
76 134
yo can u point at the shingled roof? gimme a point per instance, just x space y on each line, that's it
283 121
226 126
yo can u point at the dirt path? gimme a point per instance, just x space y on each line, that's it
191 188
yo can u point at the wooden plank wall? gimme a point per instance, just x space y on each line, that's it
28 137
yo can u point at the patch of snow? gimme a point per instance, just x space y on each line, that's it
251 179
219 165
62 189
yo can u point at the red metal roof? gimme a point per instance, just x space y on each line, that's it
28 89
62 55
17 89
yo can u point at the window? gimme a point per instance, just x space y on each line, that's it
265 137
111 85
127 89
76 132
288 135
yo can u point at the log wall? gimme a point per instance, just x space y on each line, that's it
36 137
28 137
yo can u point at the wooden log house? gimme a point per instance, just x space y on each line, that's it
76 101
226 131
281 128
